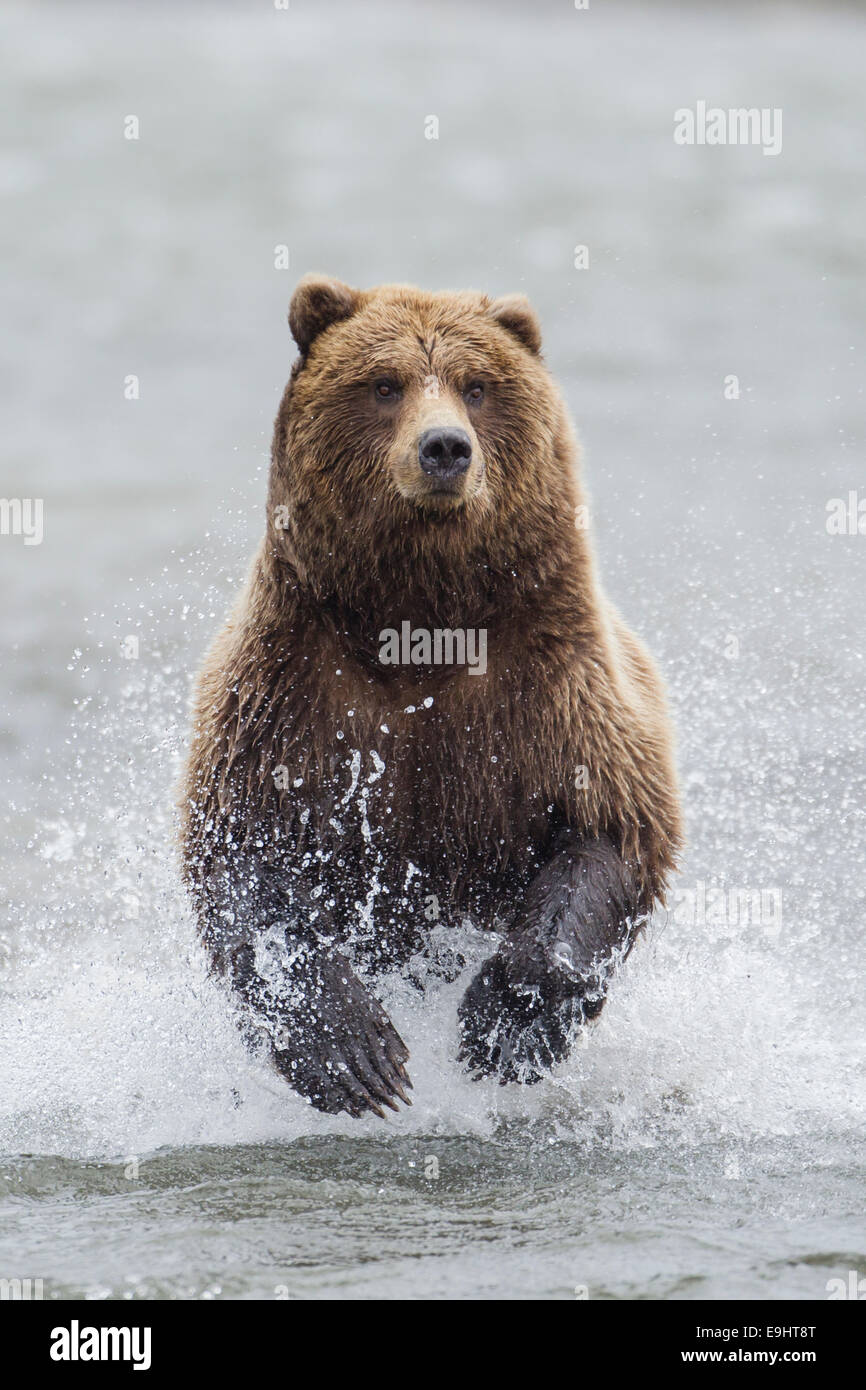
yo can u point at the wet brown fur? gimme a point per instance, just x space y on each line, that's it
476 785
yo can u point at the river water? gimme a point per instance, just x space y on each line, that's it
707 1138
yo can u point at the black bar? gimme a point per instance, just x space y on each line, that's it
610 1337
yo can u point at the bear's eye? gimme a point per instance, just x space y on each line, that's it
386 390
474 393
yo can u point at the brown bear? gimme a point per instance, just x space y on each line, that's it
423 697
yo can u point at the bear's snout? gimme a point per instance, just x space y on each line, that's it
444 454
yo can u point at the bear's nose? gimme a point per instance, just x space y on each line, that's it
444 453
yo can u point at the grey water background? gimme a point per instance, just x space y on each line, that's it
707 1138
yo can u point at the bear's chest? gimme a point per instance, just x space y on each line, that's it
426 783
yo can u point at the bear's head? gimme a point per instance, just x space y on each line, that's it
417 425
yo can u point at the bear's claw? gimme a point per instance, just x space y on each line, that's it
338 1047
513 1031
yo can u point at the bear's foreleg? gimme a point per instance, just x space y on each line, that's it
328 1036
520 1013
298 994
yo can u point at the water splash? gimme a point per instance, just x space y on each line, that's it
116 1043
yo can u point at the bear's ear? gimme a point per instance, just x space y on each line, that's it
515 313
318 302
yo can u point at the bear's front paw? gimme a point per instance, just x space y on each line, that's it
516 1029
337 1046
